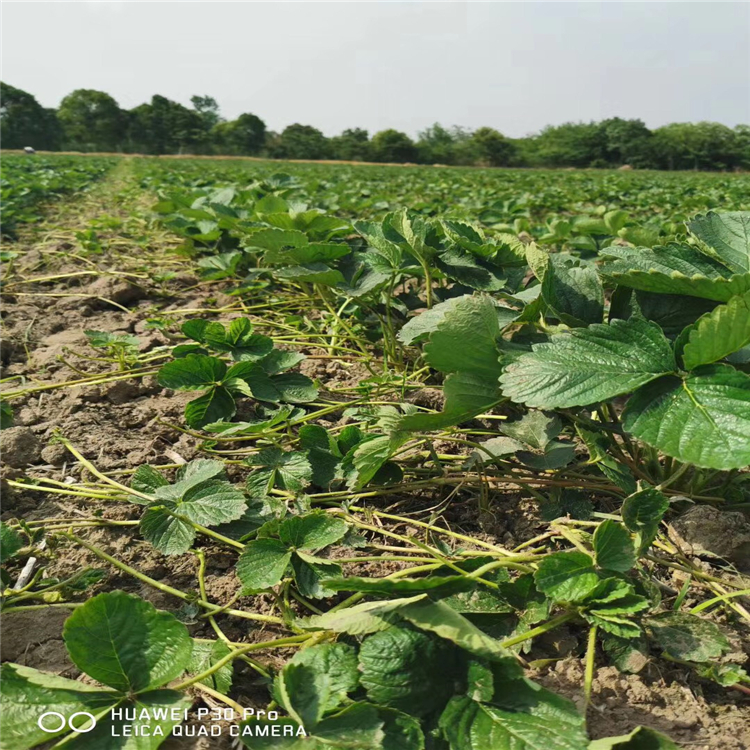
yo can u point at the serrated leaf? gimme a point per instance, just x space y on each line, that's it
357 727
28 693
217 404
703 419
312 531
469 725
170 535
465 340
535 428
589 365
311 573
360 619
329 672
420 327
444 621
688 637
719 333
566 576
212 502
613 547
193 372
466 396
126 643
206 654
294 388
642 513
291 470
434 585
407 669
263 563
727 234
147 479
574 294
675 269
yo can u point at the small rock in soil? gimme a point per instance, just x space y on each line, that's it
704 530
55 454
19 447
116 290
121 392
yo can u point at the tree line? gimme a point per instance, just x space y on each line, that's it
89 120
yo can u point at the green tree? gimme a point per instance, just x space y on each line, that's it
437 145
352 145
301 142
208 108
244 136
493 148
24 122
393 146
573 144
627 142
91 121
702 145
165 127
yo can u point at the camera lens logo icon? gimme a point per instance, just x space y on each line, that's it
53 722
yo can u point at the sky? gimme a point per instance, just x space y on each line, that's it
513 66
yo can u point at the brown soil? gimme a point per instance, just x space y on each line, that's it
122 424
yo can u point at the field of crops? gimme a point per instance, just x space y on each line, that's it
308 456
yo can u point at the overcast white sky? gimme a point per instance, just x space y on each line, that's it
512 66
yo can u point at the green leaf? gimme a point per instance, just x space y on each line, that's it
435 585
6 415
310 574
641 738
369 457
465 340
566 576
441 619
727 234
279 361
217 404
291 470
360 619
407 669
147 479
205 655
126 643
191 373
313 273
294 388
642 513
466 396
237 340
612 606
402 731
27 694
574 293
588 365
613 547
469 725
357 727
263 563
535 428
719 333
703 419
212 502
313 531
419 327
688 637
10 542
170 535
147 733
328 673
675 269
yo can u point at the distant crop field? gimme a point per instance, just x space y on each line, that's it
313 456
